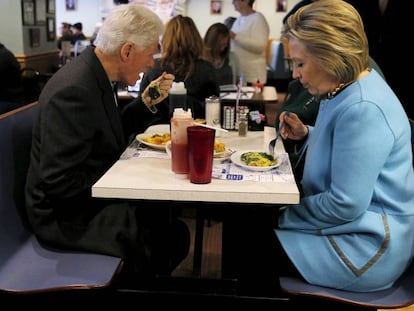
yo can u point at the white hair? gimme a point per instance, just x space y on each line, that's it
129 22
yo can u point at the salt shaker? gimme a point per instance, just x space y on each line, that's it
243 124
213 111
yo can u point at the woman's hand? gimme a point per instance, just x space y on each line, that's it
163 85
294 128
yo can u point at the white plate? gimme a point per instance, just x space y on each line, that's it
142 136
236 159
226 154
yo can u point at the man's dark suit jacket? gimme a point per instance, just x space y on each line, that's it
76 138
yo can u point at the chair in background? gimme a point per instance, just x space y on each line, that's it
279 72
31 84
26 266
400 295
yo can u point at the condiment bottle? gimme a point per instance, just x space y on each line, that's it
179 143
177 97
243 124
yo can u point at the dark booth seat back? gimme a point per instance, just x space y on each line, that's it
25 265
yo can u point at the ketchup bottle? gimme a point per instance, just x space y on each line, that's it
179 143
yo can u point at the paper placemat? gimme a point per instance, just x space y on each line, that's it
136 150
230 171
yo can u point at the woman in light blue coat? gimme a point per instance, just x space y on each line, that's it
354 227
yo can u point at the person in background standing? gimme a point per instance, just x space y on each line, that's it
249 35
229 21
78 136
217 51
295 8
65 34
77 33
383 20
11 86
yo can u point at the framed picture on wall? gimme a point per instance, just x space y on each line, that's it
34 37
40 12
281 5
216 7
50 29
70 5
28 12
51 6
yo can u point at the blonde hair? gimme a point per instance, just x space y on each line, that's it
333 33
182 46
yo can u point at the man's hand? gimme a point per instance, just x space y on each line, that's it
158 89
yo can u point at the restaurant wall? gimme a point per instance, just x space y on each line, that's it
30 42
90 12
15 35
199 10
11 25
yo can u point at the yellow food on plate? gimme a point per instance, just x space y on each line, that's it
200 121
261 159
158 139
219 146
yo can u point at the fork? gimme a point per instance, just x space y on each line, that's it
272 143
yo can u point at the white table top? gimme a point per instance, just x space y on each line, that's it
151 178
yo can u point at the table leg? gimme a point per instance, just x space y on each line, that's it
198 242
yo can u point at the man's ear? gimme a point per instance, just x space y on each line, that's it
126 50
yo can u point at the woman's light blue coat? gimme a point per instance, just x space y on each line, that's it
354 227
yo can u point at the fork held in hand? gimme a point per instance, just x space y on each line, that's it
272 143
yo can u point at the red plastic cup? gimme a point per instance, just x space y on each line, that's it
200 153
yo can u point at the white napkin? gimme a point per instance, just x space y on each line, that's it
269 93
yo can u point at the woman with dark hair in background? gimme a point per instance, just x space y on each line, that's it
217 51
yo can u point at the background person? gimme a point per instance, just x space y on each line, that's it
65 34
249 35
229 21
182 52
217 51
77 32
11 87
78 136
382 21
